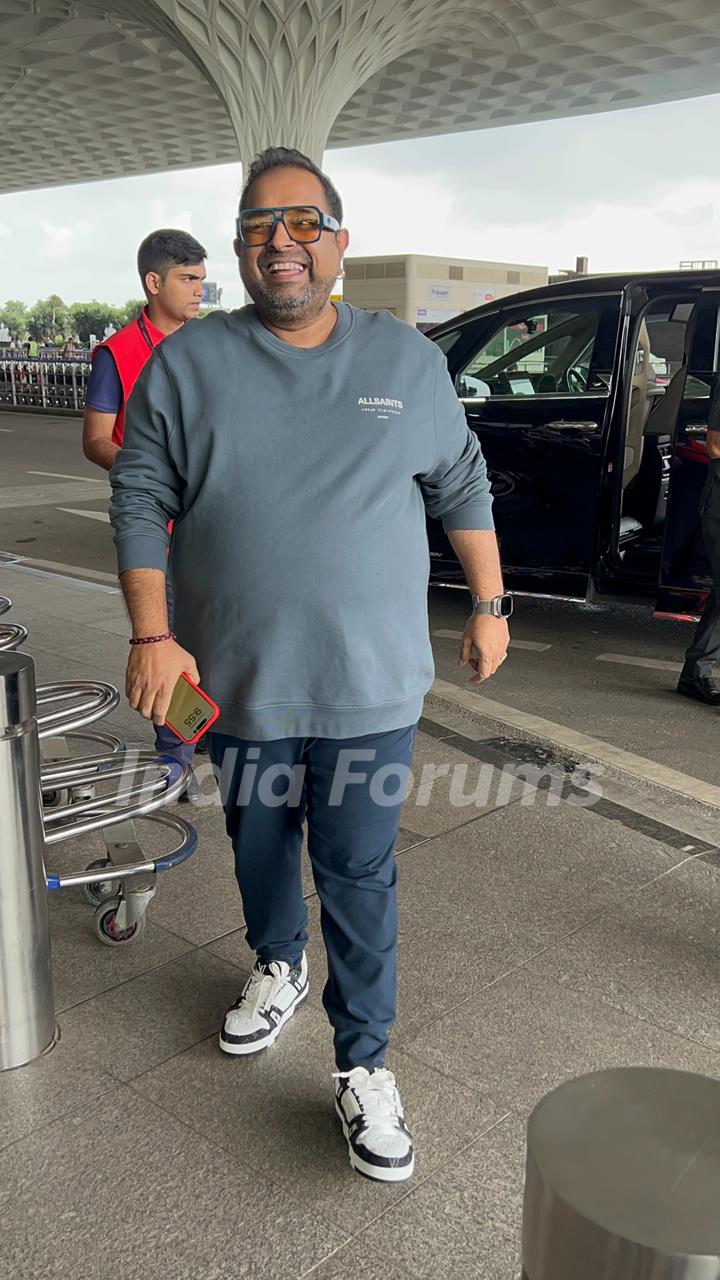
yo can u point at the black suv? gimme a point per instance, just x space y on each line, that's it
590 400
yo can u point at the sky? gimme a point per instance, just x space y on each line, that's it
631 190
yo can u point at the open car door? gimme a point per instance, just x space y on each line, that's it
685 577
652 378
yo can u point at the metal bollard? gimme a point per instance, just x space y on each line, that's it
622 1178
27 1010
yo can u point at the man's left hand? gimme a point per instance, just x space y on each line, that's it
484 645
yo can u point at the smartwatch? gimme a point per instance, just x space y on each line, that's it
499 607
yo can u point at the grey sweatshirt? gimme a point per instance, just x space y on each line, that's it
298 480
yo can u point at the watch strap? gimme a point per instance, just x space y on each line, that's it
498 607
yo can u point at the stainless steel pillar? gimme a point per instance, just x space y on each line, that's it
622 1178
27 1012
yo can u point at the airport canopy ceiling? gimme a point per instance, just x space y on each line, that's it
90 89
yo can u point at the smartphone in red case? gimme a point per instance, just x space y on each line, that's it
191 711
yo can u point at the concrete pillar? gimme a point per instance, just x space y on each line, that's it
286 68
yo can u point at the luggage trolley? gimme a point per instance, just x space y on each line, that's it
120 886
107 792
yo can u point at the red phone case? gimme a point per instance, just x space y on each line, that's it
208 723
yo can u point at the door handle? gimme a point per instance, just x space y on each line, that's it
562 425
695 429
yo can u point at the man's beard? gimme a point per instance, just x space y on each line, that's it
286 308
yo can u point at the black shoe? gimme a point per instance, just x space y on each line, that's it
703 688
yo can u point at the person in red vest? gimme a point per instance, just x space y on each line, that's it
171 265
172 269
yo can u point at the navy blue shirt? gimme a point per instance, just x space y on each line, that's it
104 388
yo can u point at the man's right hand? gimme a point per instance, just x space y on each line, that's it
153 670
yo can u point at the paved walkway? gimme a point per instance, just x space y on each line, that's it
540 937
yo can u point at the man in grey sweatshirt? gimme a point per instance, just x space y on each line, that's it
297 445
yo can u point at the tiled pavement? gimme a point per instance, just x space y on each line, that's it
537 941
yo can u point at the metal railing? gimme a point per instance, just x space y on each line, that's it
44 383
83 702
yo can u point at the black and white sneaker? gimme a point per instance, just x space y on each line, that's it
372 1117
269 998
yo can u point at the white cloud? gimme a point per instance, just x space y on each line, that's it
57 239
161 217
388 213
633 190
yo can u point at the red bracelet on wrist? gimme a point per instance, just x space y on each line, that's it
169 635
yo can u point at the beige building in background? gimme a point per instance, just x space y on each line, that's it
425 291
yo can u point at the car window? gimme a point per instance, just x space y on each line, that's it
666 324
446 341
697 388
705 354
549 351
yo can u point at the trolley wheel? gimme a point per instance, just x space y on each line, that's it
86 791
55 799
103 890
106 929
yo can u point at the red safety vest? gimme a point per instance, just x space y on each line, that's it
131 347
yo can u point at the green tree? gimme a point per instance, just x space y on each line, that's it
94 317
132 309
48 319
14 315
